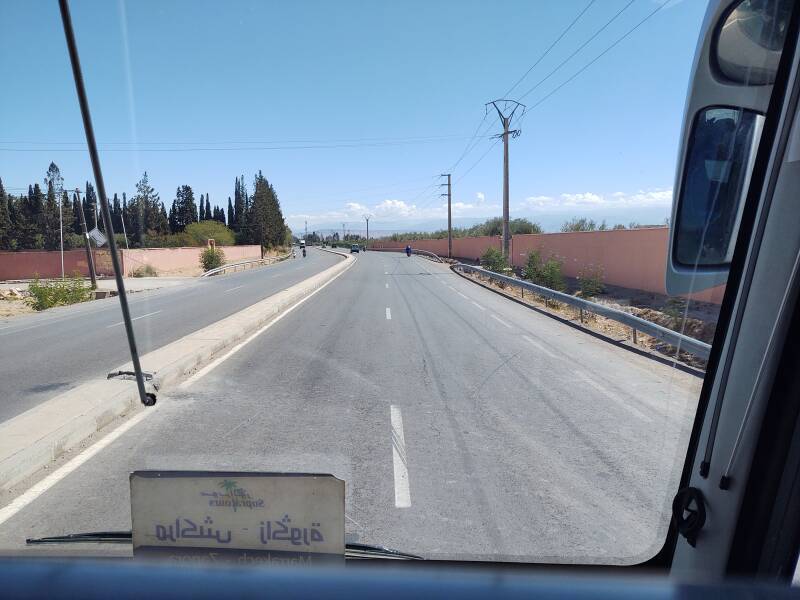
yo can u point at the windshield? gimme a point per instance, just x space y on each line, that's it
419 247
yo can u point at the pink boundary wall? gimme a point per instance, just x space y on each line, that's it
30 263
631 258
169 260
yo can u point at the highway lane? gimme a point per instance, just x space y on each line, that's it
48 353
465 425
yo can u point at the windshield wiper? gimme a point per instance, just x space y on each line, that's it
353 551
97 537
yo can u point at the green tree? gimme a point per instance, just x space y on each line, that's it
579 224
50 229
208 208
198 234
67 219
185 208
202 208
231 221
5 220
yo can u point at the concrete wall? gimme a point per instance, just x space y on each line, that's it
169 261
631 258
166 261
32 263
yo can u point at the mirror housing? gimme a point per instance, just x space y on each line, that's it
729 92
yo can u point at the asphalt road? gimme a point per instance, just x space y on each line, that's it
465 425
45 354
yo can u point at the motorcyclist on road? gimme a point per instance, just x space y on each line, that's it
304 252
408 251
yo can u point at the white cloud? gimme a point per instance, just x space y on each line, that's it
395 210
591 200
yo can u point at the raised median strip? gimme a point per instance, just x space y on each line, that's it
32 440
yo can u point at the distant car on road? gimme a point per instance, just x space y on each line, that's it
355 248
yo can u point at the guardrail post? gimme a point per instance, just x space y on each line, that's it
581 316
634 335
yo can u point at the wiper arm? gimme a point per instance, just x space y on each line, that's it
370 551
97 537
362 551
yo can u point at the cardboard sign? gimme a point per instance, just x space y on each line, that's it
285 518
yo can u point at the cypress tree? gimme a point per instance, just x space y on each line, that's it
76 216
5 220
202 216
173 216
208 208
116 214
67 218
231 220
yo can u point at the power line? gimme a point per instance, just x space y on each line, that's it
231 149
581 47
599 56
576 74
549 48
218 142
473 143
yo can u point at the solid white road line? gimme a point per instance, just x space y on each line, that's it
402 490
499 320
478 305
214 363
464 296
135 319
45 484
611 396
238 287
539 346
388 314
387 286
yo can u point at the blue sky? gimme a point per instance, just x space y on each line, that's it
353 108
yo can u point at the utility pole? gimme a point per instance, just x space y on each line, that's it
449 195
366 218
506 121
61 227
89 257
343 234
306 236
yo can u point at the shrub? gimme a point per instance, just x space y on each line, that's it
533 267
590 280
144 271
58 292
493 260
211 258
551 275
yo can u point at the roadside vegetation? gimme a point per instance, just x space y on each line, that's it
211 258
30 221
58 292
144 271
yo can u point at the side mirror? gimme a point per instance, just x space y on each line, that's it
735 66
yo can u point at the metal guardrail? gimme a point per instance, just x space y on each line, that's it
425 253
680 341
244 264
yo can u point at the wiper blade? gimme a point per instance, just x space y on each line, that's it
370 551
97 537
362 551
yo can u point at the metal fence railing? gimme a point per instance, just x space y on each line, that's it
680 341
244 264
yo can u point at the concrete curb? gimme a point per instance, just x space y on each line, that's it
32 440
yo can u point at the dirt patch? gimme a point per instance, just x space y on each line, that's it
671 316
14 303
